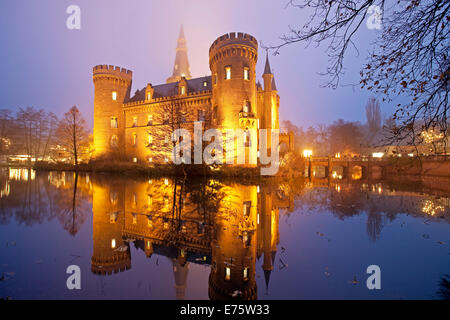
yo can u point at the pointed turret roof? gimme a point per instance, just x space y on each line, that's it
267 69
181 65
267 274
274 85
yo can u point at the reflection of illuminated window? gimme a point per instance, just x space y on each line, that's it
183 226
247 206
134 199
166 224
113 243
113 217
227 273
149 201
150 221
113 197
245 274
166 201
166 182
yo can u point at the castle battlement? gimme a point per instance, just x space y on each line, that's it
167 98
112 70
234 38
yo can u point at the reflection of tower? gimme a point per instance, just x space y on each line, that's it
180 272
110 253
181 65
234 247
268 236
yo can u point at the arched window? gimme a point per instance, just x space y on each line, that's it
247 106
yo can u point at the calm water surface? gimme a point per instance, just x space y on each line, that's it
174 239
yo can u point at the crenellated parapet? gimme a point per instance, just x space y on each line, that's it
119 75
233 44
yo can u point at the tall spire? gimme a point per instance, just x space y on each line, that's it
181 65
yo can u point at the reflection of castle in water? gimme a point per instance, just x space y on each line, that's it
225 226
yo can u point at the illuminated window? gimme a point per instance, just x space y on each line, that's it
245 273
227 273
247 139
134 121
134 139
205 83
114 95
113 243
183 90
246 74
134 218
247 107
114 141
166 140
113 197
247 206
149 96
150 159
149 139
113 122
166 182
149 120
215 78
228 73
134 159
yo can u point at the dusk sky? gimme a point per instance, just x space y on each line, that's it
46 65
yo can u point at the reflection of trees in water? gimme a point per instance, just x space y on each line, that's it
444 287
38 200
346 200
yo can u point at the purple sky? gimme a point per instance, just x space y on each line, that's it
46 65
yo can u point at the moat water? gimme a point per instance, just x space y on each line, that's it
208 239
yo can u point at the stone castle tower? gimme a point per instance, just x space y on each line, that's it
129 125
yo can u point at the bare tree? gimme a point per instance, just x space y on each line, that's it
411 55
72 134
36 132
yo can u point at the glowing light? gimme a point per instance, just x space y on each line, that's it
337 155
431 208
114 95
307 153
378 154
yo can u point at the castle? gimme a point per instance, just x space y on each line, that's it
138 127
